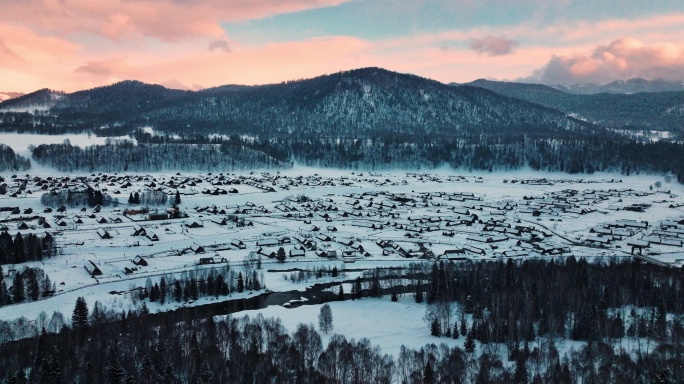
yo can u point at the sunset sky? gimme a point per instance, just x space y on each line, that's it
71 45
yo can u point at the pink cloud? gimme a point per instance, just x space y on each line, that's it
7 55
77 44
255 65
494 45
624 58
220 45
117 66
166 20
21 47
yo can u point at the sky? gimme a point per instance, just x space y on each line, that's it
71 45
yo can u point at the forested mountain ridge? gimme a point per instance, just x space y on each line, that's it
41 99
368 102
368 118
635 85
661 111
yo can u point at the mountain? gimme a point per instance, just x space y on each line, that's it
658 111
635 85
41 100
9 95
367 102
118 100
536 93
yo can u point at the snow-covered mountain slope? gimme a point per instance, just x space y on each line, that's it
41 100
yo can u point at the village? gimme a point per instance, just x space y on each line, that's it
349 218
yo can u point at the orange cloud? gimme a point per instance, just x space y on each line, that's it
624 58
21 47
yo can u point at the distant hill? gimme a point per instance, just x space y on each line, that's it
661 111
368 102
636 85
41 100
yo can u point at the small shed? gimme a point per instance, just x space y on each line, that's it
297 253
268 242
238 244
92 269
138 260
194 224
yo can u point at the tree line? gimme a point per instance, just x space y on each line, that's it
127 157
22 248
560 299
89 197
574 156
28 284
212 282
513 302
10 161
150 197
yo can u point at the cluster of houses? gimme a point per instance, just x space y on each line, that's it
350 226
668 233
27 185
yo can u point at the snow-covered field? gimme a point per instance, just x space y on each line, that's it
336 218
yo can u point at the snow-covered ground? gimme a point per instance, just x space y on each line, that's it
385 323
417 215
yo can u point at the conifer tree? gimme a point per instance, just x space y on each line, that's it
520 375
419 293
33 287
79 318
211 285
47 286
177 291
280 255
154 293
115 373
428 374
19 249
162 290
469 344
240 283
435 328
5 298
18 289
256 285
